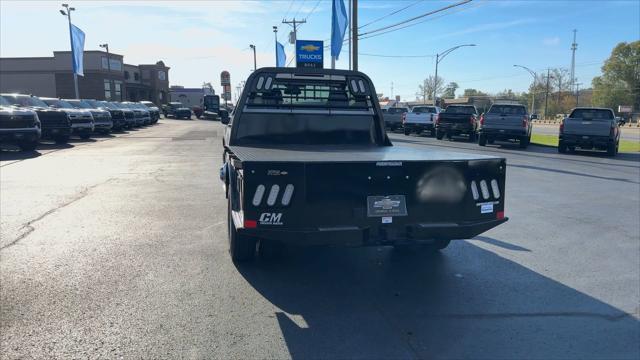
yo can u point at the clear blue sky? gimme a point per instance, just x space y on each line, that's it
198 39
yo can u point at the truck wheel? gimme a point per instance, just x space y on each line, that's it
62 139
407 132
611 149
482 140
439 135
85 136
241 248
28 145
524 142
432 133
562 147
490 141
472 137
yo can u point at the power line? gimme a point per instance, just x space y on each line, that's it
288 9
397 56
391 13
300 8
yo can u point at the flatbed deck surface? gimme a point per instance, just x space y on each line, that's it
346 153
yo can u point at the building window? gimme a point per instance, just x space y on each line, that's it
162 75
116 65
117 85
136 76
107 89
126 75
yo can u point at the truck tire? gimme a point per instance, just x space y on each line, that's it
241 248
85 136
482 140
562 147
61 139
28 145
472 137
612 149
439 135
407 132
524 142
432 133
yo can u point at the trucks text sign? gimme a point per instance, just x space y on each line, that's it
309 54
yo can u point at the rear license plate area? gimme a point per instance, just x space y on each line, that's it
386 206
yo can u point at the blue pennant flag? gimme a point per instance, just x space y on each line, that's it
77 49
281 57
339 23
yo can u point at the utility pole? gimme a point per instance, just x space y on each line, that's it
533 93
546 94
349 31
354 34
295 24
106 47
68 15
255 65
439 58
578 94
275 35
574 47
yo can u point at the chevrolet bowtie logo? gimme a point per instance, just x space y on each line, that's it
310 48
386 204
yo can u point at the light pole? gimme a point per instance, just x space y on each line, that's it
67 13
535 79
106 47
253 47
439 58
275 35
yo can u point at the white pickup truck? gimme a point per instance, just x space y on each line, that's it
420 118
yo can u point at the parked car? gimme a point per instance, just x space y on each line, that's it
393 117
590 128
129 114
457 120
117 115
19 126
81 120
143 116
304 169
153 109
420 118
55 123
178 111
102 121
505 122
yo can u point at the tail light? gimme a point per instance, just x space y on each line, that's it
404 117
612 132
561 126
472 119
481 120
525 122
437 119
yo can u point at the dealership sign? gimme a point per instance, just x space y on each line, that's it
309 54
225 78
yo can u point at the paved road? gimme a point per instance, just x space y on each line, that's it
631 134
117 248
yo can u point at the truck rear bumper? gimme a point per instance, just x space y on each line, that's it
418 127
586 141
503 134
385 235
455 128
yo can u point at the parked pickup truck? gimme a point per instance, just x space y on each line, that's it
457 120
393 117
19 126
421 118
590 128
55 124
505 122
307 161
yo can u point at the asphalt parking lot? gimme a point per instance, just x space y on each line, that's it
117 247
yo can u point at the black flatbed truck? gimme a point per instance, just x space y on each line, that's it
307 161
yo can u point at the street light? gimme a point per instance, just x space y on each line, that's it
67 13
253 47
439 58
275 34
535 79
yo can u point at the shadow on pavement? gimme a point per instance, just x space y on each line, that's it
464 303
8 154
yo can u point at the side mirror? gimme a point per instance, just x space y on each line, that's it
225 120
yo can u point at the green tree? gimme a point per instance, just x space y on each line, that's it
619 83
450 90
473 92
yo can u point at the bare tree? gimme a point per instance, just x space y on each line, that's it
425 90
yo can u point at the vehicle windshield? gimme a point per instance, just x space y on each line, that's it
289 110
25 100
57 103
592 114
397 110
176 105
507 110
467 110
424 109
80 104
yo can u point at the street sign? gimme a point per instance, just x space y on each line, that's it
625 108
225 78
226 92
309 54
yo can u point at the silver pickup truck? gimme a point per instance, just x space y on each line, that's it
505 122
393 117
421 118
590 128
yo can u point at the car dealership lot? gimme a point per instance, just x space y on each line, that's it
118 247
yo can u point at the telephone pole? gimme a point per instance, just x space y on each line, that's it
578 94
295 24
354 34
546 93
